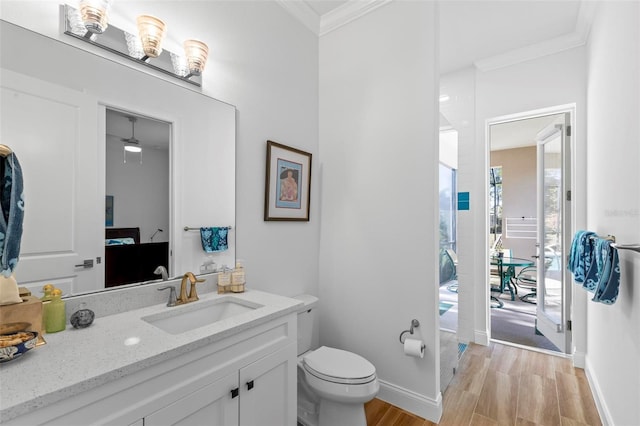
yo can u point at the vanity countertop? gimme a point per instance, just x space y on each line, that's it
76 360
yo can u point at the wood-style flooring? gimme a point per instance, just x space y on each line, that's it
505 385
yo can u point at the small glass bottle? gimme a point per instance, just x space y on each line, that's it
47 289
55 314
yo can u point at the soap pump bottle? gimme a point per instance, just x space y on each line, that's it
47 289
55 315
238 278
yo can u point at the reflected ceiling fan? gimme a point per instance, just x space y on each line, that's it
132 144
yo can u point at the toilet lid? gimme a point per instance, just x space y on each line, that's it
339 366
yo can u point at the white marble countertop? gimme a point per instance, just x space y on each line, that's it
77 360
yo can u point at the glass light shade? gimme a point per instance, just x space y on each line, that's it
132 148
95 15
76 25
151 30
196 53
134 45
180 66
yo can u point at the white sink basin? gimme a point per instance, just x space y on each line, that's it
176 320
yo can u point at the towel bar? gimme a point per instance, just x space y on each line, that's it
189 228
632 247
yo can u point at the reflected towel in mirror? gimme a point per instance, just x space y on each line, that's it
214 239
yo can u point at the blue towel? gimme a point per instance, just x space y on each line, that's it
12 206
581 255
595 268
608 285
214 239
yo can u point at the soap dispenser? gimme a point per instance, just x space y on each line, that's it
238 278
55 315
224 280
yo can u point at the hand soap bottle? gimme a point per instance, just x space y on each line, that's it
238 279
224 280
55 315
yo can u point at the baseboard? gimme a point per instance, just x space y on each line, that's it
579 359
420 405
481 338
601 405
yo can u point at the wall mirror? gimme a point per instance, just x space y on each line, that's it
59 111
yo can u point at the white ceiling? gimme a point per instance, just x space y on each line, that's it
321 7
520 133
150 132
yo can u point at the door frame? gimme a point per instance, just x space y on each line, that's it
558 109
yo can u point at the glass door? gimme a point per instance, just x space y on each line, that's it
553 293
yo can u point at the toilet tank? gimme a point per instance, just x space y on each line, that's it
306 320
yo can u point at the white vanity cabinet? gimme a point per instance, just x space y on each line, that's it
247 378
257 394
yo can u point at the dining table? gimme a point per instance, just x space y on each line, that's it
507 272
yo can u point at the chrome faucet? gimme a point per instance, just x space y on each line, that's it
172 295
161 270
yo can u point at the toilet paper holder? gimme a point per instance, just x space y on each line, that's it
414 324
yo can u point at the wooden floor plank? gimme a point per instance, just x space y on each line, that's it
499 397
538 400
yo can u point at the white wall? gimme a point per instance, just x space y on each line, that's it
140 191
379 165
265 63
613 337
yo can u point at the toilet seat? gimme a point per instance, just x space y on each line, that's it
338 366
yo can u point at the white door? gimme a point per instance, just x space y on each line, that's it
53 132
553 233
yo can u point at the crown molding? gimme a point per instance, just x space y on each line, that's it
303 12
348 12
574 39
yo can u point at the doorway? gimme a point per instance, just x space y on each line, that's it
528 177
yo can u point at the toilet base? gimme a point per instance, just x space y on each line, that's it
334 413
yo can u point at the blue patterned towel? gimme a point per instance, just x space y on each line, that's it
214 239
12 206
608 285
580 256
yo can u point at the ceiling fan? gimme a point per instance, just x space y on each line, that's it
132 144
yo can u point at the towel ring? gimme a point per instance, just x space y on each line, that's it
414 324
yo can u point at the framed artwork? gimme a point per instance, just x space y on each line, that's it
109 211
287 184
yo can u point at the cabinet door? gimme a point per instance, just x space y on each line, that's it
268 390
212 405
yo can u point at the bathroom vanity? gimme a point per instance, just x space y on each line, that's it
126 369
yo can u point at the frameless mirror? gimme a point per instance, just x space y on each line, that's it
57 111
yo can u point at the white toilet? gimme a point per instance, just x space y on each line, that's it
333 384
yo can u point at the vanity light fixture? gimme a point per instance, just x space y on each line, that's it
151 30
95 15
196 53
89 23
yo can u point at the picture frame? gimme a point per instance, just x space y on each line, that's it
287 195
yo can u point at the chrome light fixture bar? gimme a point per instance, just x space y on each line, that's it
130 46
